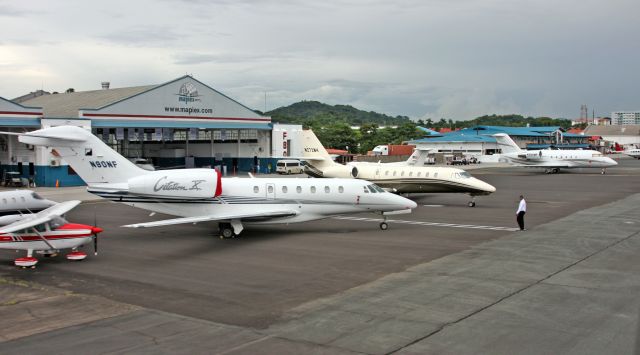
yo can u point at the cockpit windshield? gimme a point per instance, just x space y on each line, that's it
36 196
597 154
57 222
375 188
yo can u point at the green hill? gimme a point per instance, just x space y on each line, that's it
305 112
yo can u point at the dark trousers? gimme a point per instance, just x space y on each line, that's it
520 219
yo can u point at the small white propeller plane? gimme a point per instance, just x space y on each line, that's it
403 177
200 195
552 160
45 232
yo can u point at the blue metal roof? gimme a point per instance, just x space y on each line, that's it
457 138
174 124
29 122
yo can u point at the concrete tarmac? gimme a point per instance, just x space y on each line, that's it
566 285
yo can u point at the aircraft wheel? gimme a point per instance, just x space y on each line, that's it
556 171
471 204
226 231
384 226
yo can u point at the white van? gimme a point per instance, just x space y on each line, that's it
289 167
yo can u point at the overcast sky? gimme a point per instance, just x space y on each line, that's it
456 59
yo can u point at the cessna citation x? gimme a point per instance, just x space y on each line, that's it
550 159
44 232
200 195
404 177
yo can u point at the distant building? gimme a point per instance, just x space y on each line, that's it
479 139
625 117
625 135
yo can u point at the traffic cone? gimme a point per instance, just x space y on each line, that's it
57 183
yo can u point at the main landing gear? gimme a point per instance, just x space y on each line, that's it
226 231
28 261
551 171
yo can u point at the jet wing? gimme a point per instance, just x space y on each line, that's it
41 217
220 217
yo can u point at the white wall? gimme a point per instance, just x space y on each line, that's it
293 138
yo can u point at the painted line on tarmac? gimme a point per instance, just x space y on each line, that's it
432 224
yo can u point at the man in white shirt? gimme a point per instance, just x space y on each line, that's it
522 209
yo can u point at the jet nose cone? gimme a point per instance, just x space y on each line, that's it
96 230
412 204
483 186
611 161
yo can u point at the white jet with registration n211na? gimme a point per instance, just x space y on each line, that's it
201 195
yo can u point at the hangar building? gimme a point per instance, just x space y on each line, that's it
479 140
181 123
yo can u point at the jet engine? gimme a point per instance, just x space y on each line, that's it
340 171
183 184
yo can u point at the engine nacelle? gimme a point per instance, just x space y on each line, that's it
185 184
340 171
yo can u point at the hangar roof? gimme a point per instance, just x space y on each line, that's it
67 105
613 130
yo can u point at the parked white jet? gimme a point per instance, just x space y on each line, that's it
550 159
633 152
403 177
200 195
45 232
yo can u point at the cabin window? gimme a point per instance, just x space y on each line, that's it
340 189
284 189
386 173
4 200
394 173
426 174
14 200
256 189
299 189
22 199
419 173
411 173
402 173
40 228
313 189
327 189
270 189
378 172
435 175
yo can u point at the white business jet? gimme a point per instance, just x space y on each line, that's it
552 160
633 152
200 195
402 177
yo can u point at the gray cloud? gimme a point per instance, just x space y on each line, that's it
143 35
437 58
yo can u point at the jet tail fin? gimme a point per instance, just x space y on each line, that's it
506 143
313 151
91 158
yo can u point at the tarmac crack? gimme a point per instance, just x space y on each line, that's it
516 292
